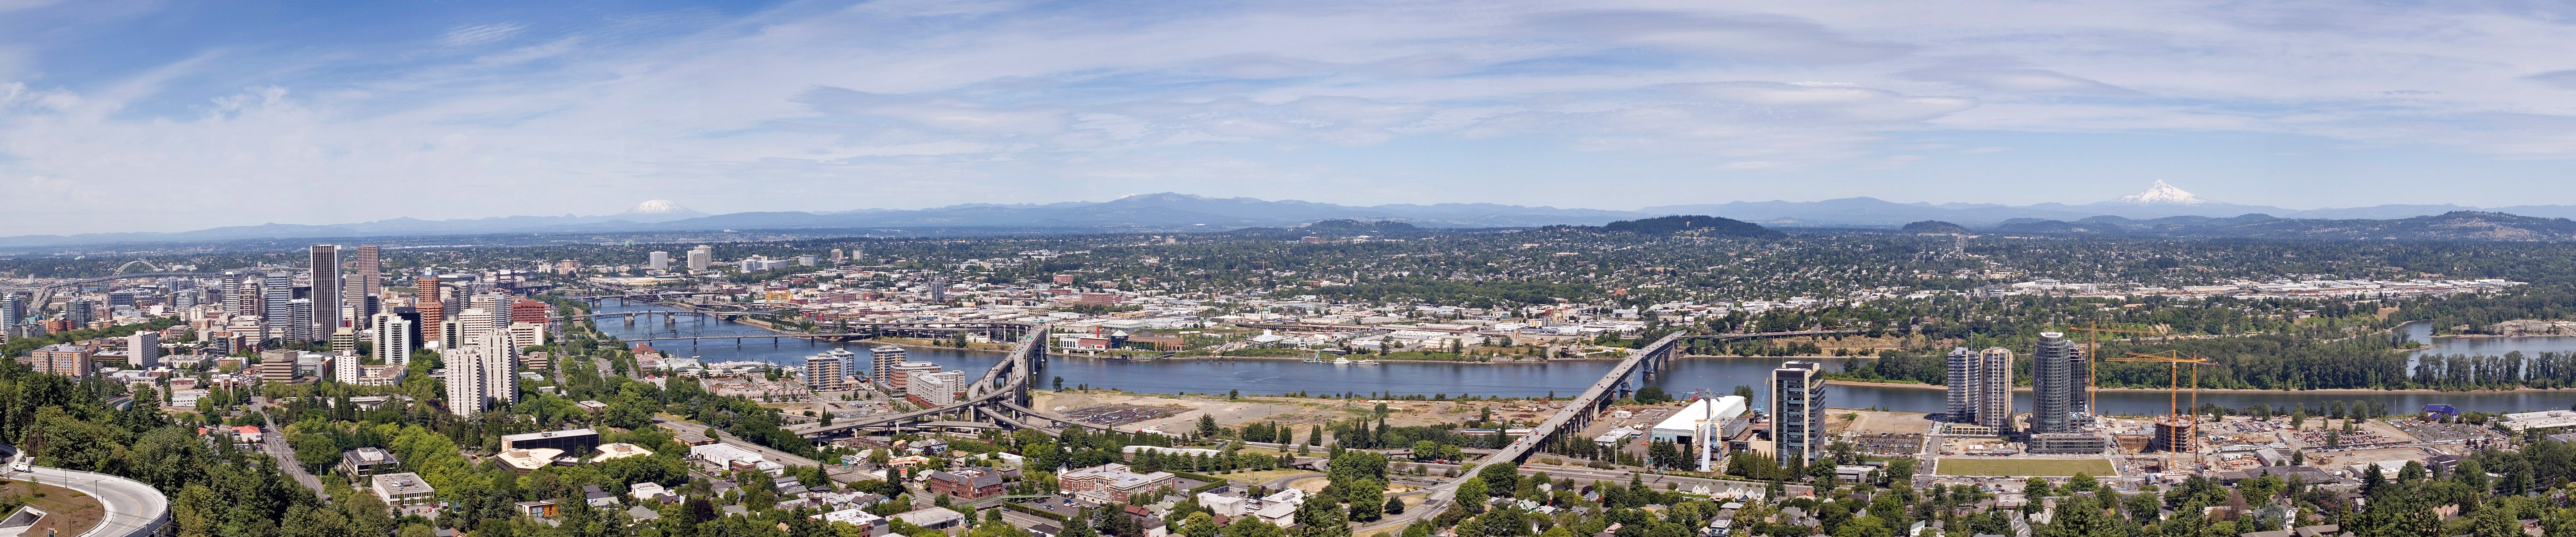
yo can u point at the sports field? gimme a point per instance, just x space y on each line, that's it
2023 467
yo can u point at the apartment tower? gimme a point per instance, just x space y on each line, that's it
1797 411
1980 387
2057 380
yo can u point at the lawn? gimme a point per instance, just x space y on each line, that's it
2024 467
1257 476
68 512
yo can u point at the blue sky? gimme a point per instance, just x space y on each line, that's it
155 116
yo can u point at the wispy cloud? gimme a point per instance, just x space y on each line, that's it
833 106
466 36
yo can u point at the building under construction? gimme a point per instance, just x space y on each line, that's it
2174 434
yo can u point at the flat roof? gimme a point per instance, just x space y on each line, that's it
548 434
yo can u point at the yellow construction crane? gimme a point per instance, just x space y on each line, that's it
2093 351
2190 432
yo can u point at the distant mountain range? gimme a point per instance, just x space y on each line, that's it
2149 212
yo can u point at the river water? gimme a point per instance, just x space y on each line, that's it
1716 375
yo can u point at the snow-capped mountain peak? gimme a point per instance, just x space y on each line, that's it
2162 194
659 207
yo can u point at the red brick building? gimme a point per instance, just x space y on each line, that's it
969 484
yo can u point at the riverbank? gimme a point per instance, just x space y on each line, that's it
2335 391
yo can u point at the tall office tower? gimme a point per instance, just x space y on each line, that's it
326 289
143 349
424 299
13 308
657 261
451 334
299 320
392 338
122 298
228 291
1797 411
184 299
473 323
275 289
882 359
823 373
80 311
2057 384
344 341
1980 388
701 256
370 272
938 288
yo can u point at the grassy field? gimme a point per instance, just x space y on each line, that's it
2023 467
68 511
1258 476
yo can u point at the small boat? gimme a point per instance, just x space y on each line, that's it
1345 360
1366 362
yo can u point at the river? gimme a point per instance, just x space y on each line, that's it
1715 375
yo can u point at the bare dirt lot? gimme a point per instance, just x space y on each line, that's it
1287 410
1871 421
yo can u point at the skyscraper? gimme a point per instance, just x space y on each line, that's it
2057 384
424 300
370 272
701 256
241 293
13 308
1797 411
938 288
275 289
393 339
299 320
326 289
657 261
1980 387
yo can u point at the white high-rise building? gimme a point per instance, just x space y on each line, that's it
938 389
701 257
1980 387
393 339
657 261
345 370
143 349
482 375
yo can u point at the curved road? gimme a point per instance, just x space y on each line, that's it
133 508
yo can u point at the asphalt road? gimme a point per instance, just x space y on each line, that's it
133 508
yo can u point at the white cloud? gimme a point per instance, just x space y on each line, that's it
926 103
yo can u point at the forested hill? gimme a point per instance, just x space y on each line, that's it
2458 225
1708 226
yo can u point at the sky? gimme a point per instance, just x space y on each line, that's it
122 115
